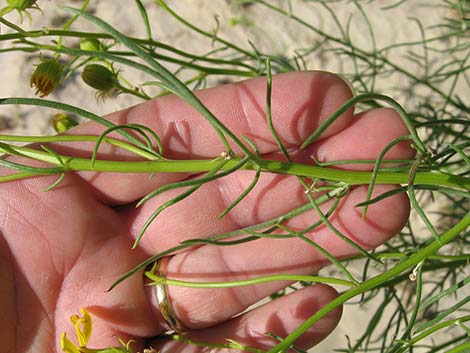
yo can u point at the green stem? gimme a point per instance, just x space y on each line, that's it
74 110
367 97
278 167
247 282
461 348
412 261
170 81
79 138
397 256
16 176
273 222
363 54
212 36
231 345
133 92
161 46
437 327
70 22
12 26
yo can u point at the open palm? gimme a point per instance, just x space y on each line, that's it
61 250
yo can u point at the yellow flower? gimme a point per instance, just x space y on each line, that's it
82 327
83 330
46 77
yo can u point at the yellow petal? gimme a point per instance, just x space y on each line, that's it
67 346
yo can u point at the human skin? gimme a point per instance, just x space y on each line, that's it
61 250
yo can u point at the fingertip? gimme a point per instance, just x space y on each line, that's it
365 138
313 299
383 219
278 318
328 92
284 315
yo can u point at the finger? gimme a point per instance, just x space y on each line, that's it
264 257
279 318
273 195
364 139
301 101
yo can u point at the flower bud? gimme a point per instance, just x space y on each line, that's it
99 77
62 122
21 5
91 44
46 77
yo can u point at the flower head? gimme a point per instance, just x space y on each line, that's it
46 77
83 330
62 122
99 77
21 6
91 44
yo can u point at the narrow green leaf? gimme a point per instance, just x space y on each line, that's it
168 79
192 182
242 195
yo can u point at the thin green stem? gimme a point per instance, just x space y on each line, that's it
415 276
7 23
249 72
330 257
16 176
363 54
406 264
440 326
212 36
80 138
461 348
145 19
241 196
217 238
171 82
367 97
74 110
71 21
156 280
277 167
133 92
377 166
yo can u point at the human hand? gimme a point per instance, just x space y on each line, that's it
61 250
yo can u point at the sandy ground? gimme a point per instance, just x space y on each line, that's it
269 32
